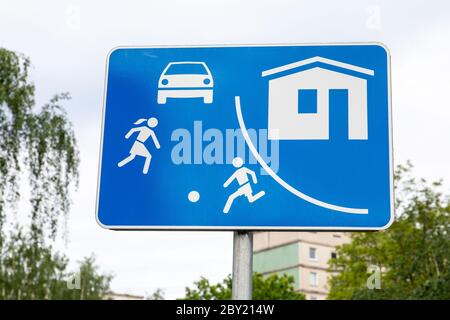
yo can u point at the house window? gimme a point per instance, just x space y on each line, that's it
312 254
313 279
307 101
333 255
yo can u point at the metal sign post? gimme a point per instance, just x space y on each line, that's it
242 265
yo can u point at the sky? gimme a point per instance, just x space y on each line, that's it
68 42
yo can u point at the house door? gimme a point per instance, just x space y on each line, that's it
338 114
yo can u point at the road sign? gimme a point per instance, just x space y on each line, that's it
280 137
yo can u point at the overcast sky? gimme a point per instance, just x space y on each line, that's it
68 41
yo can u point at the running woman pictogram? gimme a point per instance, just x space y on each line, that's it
139 148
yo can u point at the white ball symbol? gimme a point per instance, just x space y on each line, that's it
193 196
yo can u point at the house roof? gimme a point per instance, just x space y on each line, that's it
314 60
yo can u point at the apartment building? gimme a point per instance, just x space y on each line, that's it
303 255
122 296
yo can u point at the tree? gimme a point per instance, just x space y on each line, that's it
39 144
92 284
412 255
272 287
30 271
158 294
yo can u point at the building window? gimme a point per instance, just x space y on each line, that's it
313 279
312 254
333 255
307 101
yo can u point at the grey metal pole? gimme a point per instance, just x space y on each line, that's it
242 265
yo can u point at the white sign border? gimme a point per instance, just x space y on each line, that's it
253 228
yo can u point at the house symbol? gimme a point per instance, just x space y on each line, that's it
299 95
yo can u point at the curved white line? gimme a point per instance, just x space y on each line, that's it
280 181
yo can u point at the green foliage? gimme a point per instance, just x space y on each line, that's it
413 254
52 159
93 285
33 271
30 271
275 287
204 290
16 100
39 144
271 287
157 295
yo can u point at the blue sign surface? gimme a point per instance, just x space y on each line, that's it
283 137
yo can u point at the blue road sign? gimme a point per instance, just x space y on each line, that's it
280 137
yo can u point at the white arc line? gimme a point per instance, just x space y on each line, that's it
280 181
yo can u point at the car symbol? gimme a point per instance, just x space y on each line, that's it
186 79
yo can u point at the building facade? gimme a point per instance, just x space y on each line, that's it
122 296
303 255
